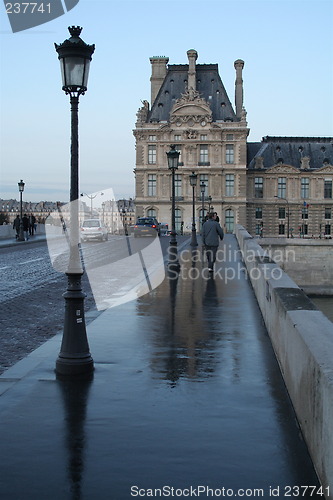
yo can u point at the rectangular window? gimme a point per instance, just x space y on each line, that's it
229 153
328 229
282 213
178 185
259 229
281 228
328 213
258 187
203 137
177 137
203 158
152 155
179 149
230 137
152 137
328 188
151 185
305 191
282 187
258 212
305 213
204 178
229 185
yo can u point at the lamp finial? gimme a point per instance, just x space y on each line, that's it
75 30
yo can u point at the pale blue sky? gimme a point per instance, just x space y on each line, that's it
288 79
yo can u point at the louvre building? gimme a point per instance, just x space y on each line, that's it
279 186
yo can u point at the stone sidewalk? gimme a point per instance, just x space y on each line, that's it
186 393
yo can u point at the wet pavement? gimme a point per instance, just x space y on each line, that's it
186 394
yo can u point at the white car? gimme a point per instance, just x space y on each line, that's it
93 229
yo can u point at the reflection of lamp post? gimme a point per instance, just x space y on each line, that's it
173 157
193 182
21 189
203 189
74 357
288 213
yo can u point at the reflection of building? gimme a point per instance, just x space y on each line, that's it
191 109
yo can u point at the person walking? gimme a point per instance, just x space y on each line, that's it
16 226
25 221
211 234
32 221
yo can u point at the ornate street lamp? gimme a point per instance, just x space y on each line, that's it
21 189
173 157
74 357
203 189
193 182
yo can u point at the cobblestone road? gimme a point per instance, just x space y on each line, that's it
31 302
32 306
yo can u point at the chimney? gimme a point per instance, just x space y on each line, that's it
239 65
158 73
191 79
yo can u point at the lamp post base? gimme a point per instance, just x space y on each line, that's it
74 357
194 242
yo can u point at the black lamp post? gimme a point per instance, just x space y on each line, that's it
21 189
173 157
193 182
74 357
203 189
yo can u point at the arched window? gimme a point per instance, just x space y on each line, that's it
229 220
151 212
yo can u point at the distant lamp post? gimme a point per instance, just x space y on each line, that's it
203 189
91 198
21 189
209 203
193 182
288 213
173 157
74 357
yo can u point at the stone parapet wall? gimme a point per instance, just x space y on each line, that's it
302 338
308 262
7 231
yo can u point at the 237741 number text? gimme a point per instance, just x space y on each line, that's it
28 8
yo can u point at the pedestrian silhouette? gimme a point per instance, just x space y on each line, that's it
16 226
212 232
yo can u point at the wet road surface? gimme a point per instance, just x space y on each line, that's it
186 393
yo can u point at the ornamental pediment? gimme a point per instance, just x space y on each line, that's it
190 108
283 169
327 169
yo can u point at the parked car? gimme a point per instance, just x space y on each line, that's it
93 229
146 226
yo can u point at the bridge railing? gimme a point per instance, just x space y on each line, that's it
302 338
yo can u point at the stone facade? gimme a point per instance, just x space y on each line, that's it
191 109
211 145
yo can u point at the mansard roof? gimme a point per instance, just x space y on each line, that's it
290 151
208 84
